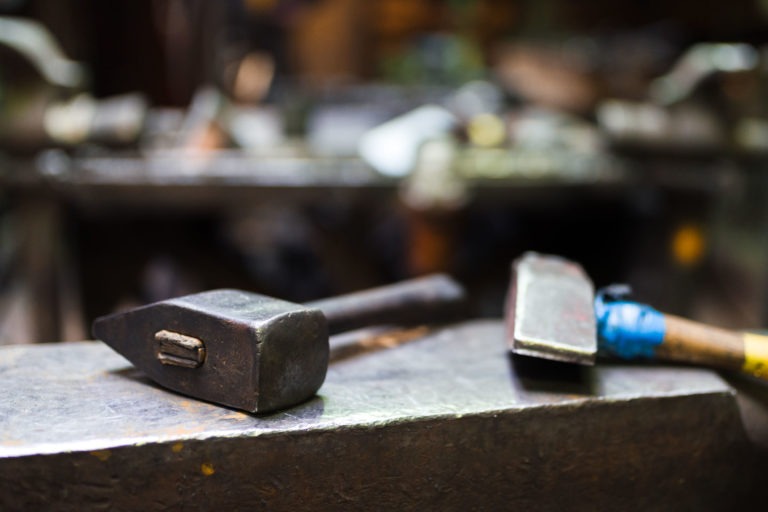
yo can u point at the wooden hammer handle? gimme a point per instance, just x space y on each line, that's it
693 342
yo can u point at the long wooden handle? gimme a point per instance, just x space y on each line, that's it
693 342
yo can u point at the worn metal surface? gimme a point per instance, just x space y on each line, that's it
549 310
446 422
256 353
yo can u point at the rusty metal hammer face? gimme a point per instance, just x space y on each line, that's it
257 353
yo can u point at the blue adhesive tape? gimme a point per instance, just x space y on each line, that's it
628 329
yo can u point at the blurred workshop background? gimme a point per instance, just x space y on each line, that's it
303 148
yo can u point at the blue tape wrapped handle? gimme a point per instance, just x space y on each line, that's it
627 329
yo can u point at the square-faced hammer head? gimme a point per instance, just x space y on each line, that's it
550 311
229 347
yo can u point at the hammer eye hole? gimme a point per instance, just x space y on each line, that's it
177 349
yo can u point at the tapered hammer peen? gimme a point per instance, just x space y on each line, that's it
257 353
553 313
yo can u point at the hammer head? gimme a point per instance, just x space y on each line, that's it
550 312
229 347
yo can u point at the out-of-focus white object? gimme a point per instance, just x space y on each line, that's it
476 98
256 128
545 130
37 45
336 130
70 121
391 148
685 125
434 182
698 62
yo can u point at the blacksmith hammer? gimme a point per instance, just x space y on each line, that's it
256 353
553 313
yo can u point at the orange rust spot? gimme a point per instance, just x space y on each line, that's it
206 468
235 416
176 448
102 455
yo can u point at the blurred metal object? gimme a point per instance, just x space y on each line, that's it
336 130
392 148
434 183
258 129
522 166
686 125
475 98
547 130
710 101
201 130
32 40
68 122
118 120
112 121
41 121
699 62
43 102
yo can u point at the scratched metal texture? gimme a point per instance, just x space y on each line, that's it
446 422
552 312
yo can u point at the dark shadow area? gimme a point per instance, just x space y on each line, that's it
536 374
136 375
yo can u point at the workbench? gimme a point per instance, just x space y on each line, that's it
55 195
447 421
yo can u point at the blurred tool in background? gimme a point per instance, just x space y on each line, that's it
310 147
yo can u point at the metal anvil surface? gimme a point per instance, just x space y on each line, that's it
446 422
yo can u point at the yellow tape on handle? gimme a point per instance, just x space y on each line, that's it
756 355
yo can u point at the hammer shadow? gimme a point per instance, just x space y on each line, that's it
543 375
134 374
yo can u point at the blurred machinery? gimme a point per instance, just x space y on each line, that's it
303 148
45 102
